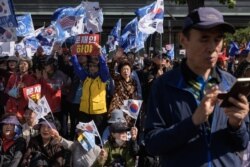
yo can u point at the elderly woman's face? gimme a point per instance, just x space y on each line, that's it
125 71
8 131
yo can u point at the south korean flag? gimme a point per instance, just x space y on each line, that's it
7 34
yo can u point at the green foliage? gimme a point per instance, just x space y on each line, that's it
241 35
230 3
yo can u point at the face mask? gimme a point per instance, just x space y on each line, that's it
119 142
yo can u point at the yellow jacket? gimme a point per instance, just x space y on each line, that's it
93 100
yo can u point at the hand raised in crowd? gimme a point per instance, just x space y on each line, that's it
206 106
237 113
134 132
56 136
118 54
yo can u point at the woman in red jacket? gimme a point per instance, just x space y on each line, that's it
16 102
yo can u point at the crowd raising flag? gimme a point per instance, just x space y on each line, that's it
153 20
7 14
25 25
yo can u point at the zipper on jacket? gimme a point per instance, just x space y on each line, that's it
90 94
207 135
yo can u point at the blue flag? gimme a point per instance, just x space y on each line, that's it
153 21
170 51
68 11
140 40
140 12
20 48
25 25
234 48
32 43
114 37
116 31
127 40
7 14
248 46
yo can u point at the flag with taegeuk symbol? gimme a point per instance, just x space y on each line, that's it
67 22
7 34
89 127
132 107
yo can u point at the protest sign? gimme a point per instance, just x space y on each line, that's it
33 92
86 44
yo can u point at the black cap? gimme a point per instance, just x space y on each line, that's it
119 127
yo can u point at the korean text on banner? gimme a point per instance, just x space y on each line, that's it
87 44
33 92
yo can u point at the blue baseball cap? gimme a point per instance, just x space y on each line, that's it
205 18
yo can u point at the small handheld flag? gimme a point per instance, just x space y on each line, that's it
132 107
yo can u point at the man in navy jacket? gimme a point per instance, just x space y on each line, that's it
185 124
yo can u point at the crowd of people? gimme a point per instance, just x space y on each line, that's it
180 121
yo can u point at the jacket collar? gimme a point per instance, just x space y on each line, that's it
179 77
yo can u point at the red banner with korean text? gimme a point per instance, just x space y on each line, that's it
86 44
33 92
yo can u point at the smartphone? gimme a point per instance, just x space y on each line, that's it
241 86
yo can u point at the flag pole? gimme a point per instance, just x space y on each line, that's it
161 45
150 43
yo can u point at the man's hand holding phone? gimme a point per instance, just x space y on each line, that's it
238 111
235 102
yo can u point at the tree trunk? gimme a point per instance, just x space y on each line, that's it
194 4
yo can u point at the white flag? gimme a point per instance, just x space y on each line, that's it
20 48
45 105
7 48
78 28
36 108
153 21
7 34
132 107
94 17
41 109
